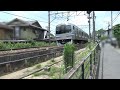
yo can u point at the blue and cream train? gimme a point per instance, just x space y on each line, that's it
70 33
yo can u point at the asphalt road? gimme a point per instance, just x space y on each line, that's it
109 63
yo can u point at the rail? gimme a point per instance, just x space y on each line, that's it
88 68
16 61
35 71
27 55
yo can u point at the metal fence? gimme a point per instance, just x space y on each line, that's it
88 68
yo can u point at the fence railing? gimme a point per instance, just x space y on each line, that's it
87 68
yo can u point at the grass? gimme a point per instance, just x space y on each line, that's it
53 60
79 57
58 71
54 73
38 66
41 73
10 46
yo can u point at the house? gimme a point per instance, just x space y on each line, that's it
26 30
5 32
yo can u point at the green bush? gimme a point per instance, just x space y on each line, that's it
2 46
9 45
69 61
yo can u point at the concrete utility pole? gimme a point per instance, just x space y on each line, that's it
88 12
94 26
49 25
108 25
111 35
89 27
108 30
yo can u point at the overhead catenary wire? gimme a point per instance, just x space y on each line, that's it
44 21
116 17
22 16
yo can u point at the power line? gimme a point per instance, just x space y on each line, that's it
25 17
39 20
116 17
22 16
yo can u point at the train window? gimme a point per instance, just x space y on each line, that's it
57 28
63 29
68 27
58 32
73 27
77 32
82 33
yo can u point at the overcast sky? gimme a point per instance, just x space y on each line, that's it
102 18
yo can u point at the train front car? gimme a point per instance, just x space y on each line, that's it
63 34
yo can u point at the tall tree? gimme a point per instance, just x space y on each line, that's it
116 32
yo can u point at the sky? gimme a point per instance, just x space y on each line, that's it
81 20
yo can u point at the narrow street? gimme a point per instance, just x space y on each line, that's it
109 63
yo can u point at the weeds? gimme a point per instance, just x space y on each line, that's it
38 66
10 46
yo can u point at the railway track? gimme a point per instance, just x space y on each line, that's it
17 51
38 70
20 60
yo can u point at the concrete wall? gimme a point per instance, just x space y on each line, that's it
41 56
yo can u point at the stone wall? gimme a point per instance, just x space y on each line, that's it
13 62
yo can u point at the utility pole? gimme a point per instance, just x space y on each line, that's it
49 25
108 33
111 26
108 25
94 26
88 12
89 27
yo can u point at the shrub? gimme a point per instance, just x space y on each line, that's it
69 50
9 45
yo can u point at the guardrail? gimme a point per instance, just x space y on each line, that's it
88 68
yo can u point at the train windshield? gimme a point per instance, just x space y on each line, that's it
63 29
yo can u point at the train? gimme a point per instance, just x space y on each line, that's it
70 33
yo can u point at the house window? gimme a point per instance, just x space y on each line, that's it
82 33
24 29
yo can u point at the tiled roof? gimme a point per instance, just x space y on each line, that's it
27 23
3 25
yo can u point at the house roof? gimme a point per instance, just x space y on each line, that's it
4 26
26 23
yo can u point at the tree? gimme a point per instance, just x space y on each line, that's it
100 34
101 31
116 32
